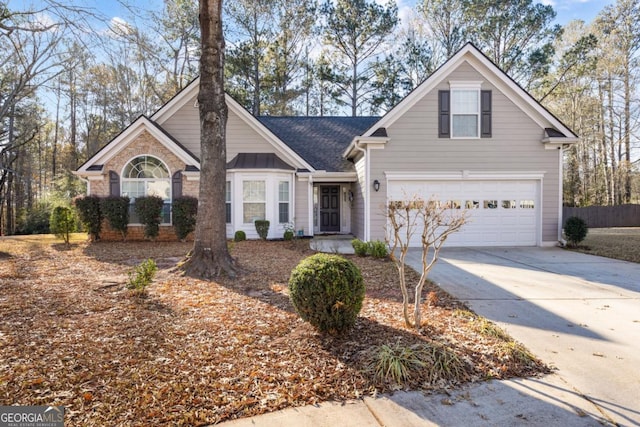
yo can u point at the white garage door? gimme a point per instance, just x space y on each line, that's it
501 213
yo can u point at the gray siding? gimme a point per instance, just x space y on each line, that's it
184 125
515 146
357 209
301 214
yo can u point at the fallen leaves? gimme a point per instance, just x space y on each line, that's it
195 352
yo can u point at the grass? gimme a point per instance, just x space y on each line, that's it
618 243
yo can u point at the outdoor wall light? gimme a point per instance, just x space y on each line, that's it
376 185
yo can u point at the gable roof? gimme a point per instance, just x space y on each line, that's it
498 78
141 124
258 161
319 140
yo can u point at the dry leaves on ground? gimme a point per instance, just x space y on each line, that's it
195 352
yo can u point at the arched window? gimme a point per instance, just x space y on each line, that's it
147 176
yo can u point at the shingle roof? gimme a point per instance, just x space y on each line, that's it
319 140
258 161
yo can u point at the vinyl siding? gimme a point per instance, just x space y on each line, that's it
515 146
301 214
184 125
357 210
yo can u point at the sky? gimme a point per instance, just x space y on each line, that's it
566 10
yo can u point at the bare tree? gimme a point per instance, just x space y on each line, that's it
435 222
210 255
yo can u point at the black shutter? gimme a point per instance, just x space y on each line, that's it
114 184
443 114
485 109
176 184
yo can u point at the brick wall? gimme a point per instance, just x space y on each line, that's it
136 233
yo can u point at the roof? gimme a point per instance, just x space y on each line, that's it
319 140
258 161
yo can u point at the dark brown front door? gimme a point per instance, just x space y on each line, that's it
330 208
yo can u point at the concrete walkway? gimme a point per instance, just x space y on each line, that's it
576 312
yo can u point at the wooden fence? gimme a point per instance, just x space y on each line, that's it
606 216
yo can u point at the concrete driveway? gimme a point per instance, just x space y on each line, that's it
578 313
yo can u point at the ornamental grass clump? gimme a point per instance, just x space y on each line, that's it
327 291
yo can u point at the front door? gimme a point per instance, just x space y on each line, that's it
330 208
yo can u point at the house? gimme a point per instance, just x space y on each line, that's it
468 135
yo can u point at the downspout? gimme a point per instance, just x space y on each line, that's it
85 180
365 190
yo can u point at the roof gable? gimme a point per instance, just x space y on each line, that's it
136 128
493 74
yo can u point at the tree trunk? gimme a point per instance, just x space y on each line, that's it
210 256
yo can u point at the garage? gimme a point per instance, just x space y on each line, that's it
500 212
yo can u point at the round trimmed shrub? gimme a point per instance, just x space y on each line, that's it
239 236
575 230
327 291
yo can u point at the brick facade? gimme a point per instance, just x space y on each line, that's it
144 144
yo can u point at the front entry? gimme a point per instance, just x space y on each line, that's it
330 208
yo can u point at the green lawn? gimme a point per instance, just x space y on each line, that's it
619 243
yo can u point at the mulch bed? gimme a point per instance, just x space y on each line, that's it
196 352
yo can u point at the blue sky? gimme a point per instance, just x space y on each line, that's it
566 10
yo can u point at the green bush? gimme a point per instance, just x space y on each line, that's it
88 208
116 210
34 220
262 227
327 291
575 230
359 247
288 235
185 211
62 222
239 236
377 249
149 211
142 276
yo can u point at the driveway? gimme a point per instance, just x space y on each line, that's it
578 313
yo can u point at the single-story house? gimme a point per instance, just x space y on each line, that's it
468 135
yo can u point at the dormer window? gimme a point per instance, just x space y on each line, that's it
464 111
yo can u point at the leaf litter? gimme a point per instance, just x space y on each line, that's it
199 353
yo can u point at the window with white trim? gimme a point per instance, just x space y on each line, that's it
254 201
465 113
283 202
147 176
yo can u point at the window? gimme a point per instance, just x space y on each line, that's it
490 204
147 176
253 201
527 204
465 109
283 202
509 204
227 199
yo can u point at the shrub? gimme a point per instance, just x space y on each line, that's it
575 229
90 215
288 235
327 291
185 211
239 236
62 222
142 276
34 220
116 210
377 249
149 211
262 227
359 247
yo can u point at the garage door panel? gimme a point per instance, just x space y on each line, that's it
501 213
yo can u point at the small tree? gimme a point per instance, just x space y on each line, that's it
116 210
438 222
149 211
62 222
